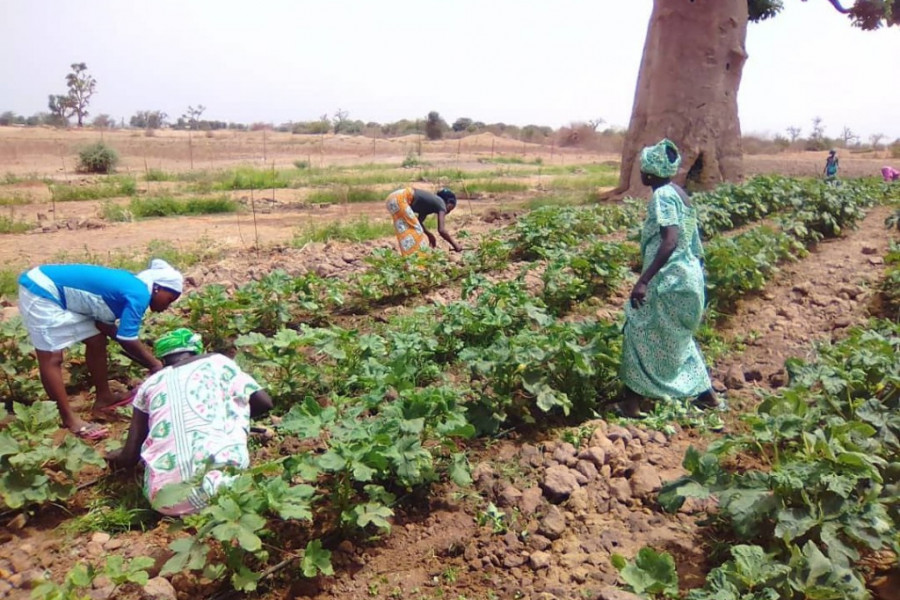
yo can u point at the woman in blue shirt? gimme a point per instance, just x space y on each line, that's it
64 304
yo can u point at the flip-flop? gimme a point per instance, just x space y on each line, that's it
123 401
91 432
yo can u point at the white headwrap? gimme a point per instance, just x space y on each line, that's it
162 274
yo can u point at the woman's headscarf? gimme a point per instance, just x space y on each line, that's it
447 196
162 274
178 340
657 160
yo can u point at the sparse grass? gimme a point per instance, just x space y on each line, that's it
584 182
118 507
16 199
166 206
180 258
11 178
360 230
159 175
341 196
9 282
364 175
511 160
557 200
250 178
435 174
11 225
495 187
110 188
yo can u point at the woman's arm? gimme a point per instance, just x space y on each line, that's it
442 229
260 403
139 352
668 243
428 234
129 455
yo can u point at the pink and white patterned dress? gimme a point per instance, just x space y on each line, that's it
199 420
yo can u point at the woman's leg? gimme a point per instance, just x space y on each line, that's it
98 367
50 367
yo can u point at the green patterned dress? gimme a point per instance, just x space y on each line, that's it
659 356
199 418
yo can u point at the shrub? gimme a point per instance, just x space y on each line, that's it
97 158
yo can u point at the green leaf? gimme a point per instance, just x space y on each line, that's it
652 573
316 560
373 514
460 472
190 554
245 580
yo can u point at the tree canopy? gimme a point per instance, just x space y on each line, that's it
865 14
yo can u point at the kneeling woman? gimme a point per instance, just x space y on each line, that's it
409 207
660 358
190 422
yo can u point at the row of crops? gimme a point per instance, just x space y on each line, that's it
389 409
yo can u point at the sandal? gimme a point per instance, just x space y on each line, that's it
125 400
91 432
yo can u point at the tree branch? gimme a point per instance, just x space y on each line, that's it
838 7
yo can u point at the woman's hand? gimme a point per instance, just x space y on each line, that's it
431 239
638 294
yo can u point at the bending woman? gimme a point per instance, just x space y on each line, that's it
64 304
190 423
409 207
660 357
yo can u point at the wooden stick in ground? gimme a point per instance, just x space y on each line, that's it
255 229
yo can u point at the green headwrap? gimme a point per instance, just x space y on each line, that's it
178 340
655 160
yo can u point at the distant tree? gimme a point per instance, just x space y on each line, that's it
7 118
461 124
339 120
75 102
847 136
595 123
191 117
59 111
793 132
817 140
103 121
148 119
875 140
435 126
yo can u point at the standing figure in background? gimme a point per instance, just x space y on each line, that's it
831 166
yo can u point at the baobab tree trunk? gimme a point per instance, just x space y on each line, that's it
687 91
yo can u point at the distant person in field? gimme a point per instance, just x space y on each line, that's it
409 208
64 304
660 358
890 174
831 166
190 423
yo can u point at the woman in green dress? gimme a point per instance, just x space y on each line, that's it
660 358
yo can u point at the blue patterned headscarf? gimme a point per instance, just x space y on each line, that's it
655 160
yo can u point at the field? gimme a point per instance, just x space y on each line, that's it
445 431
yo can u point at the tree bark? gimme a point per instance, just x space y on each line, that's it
687 90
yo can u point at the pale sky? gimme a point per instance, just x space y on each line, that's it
548 62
